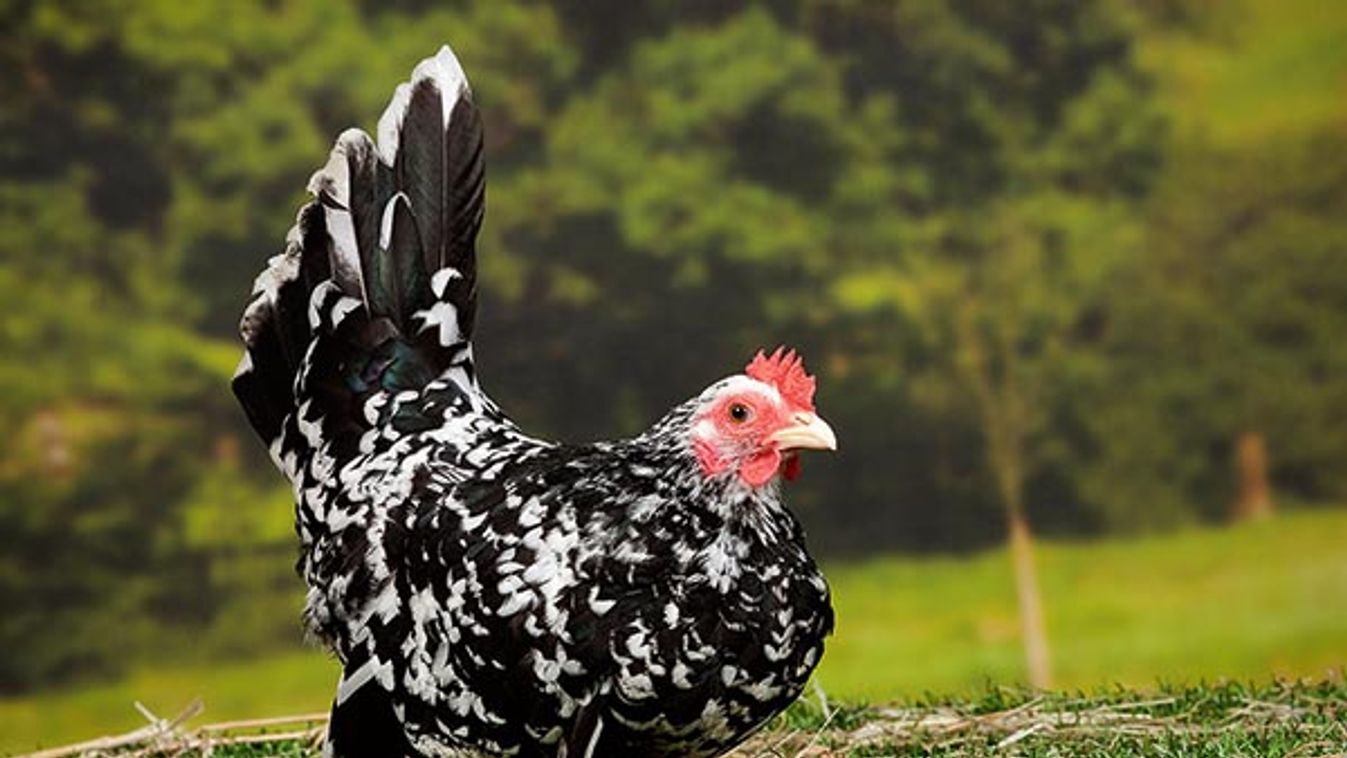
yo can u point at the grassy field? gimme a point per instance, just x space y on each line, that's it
1226 720
1261 599
1207 721
1249 603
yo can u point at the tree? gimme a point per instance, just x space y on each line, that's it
666 189
100 358
1228 334
1013 229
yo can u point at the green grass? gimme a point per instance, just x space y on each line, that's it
1206 721
1249 602
298 682
1266 598
1217 721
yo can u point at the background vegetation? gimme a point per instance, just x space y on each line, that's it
1084 263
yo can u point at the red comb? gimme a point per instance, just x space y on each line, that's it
784 370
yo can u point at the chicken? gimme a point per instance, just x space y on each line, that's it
484 589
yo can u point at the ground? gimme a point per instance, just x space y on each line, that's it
1280 719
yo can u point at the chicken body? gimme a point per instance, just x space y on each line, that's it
484 589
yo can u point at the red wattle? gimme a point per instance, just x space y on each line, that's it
791 468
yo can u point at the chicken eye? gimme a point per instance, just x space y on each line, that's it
739 413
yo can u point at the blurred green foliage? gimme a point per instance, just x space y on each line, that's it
1035 252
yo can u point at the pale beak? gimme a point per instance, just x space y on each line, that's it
809 432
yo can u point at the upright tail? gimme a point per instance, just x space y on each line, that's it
375 293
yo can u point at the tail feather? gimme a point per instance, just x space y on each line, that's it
399 286
276 329
431 137
364 722
376 290
347 189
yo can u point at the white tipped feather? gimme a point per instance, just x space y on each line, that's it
386 221
445 71
390 123
448 75
334 181
440 279
356 679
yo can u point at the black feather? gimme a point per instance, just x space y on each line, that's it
383 285
420 165
465 205
366 726
275 327
367 190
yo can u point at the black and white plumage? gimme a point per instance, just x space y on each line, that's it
484 589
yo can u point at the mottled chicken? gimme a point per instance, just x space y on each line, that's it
484 589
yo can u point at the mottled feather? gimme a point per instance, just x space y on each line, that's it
483 588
